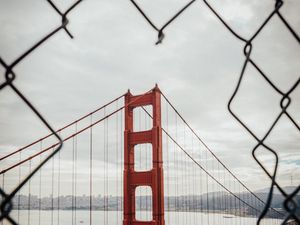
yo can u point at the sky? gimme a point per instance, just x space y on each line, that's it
197 66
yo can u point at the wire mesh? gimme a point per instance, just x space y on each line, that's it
289 204
10 75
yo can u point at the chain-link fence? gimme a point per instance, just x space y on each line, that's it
10 75
290 204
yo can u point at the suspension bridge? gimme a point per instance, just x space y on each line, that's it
132 161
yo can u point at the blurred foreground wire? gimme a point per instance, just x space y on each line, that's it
10 75
289 204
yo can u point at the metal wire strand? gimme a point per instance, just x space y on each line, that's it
289 204
285 98
6 204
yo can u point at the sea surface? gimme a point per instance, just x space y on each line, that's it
82 217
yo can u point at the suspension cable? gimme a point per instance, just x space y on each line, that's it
200 166
197 136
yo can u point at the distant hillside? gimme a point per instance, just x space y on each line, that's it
278 199
287 189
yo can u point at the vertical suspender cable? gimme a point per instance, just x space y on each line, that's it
182 203
168 161
207 197
190 184
91 169
58 190
147 166
224 193
189 205
104 164
40 185
52 191
106 172
219 196
213 192
29 194
190 188
224 208
257 214
122 156
240 205
252 204
223 172
75 177
194 179
148 124
177 171
235 202
106 169
3 185
117 163
185 188
229 196
19 196
201 184
140 163
232 197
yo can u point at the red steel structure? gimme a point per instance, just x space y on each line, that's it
152 178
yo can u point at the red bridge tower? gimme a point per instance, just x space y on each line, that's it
154 177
